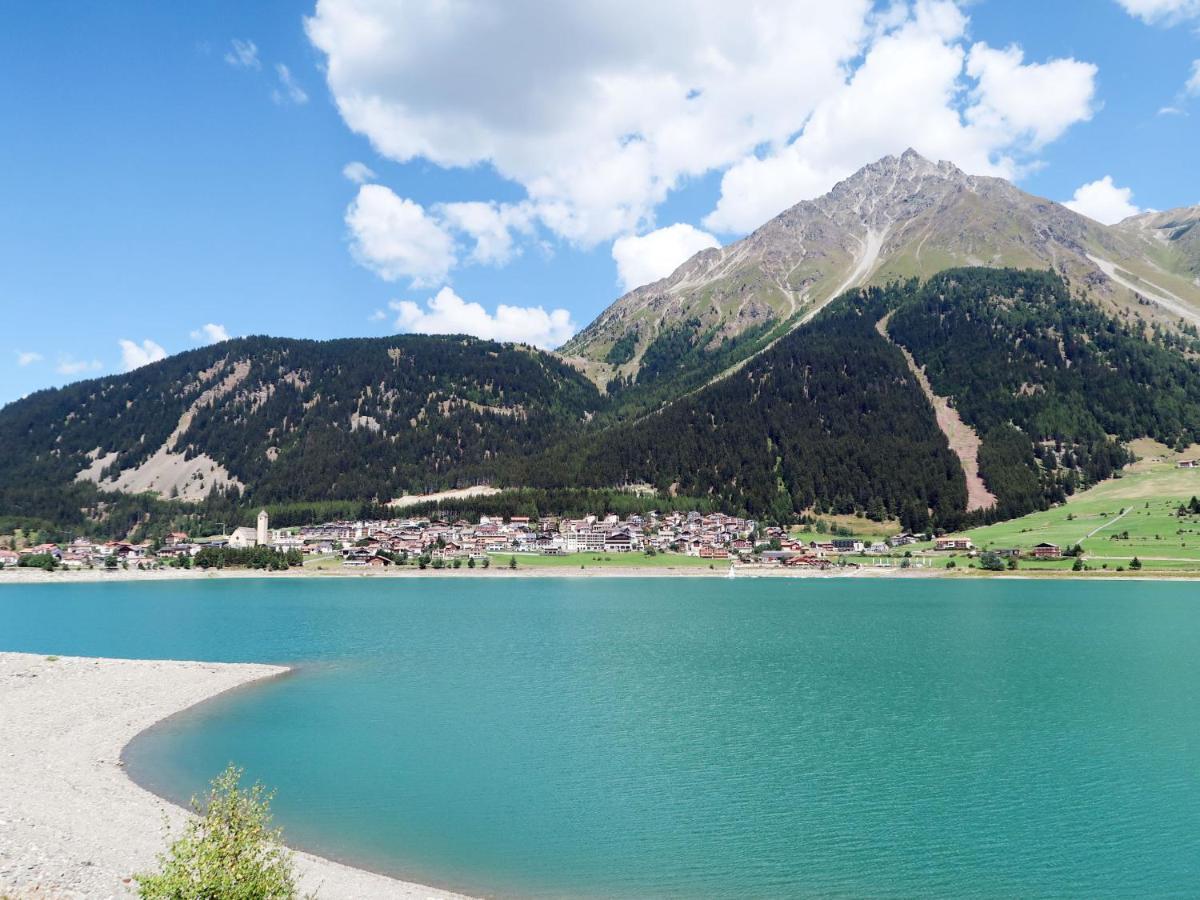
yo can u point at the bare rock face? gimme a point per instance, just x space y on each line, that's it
899 217
1173 237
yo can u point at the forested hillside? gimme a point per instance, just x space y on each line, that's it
1052 385
279 420
829 418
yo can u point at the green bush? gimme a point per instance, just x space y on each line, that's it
247 557
38 561
991 562
229 851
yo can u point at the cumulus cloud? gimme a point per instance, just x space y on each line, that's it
1165 12
918 85
649 257
210 334
490 226
68 365
1032 104
243 55
1103 201
27 358
600 123
584 104
359 173
395 238
448 313
288 91
134 355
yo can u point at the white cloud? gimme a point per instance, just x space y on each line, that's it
447 313
1193 84
490 225
393 237
1103 201
68 365
210 334
134 356
598 118
288 91
377 316
919 86
641 260
1166 12
359 173
1031 104
27 358
584 104
243 55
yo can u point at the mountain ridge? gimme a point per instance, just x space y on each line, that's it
895 218
958 397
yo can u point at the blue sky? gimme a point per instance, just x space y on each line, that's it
515 154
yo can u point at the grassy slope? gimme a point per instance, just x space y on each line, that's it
1150 491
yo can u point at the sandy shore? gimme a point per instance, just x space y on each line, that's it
76 576
79 576
72 823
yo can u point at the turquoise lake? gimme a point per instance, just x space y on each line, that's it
688 737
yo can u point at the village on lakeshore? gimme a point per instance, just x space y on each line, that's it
436 543
1148 518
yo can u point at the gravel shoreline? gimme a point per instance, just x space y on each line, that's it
72 823
37 576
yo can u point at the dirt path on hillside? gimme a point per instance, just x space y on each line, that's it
962 437
1114 521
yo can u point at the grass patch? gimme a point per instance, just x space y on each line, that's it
1134 515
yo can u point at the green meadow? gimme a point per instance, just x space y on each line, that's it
1134 515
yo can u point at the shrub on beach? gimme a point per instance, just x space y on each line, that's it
229 850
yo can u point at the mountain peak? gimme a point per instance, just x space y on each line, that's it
905 170
892 188
895 218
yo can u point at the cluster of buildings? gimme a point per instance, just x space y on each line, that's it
714 536
85 553
379 543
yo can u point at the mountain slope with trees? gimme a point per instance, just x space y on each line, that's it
830 419
277 420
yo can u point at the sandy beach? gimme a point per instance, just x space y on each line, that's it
81 576
72 823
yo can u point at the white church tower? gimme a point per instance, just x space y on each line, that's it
261 536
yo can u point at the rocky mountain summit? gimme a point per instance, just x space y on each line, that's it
896 218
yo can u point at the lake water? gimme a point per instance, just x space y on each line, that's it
689 737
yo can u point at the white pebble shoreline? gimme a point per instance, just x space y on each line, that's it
72 823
